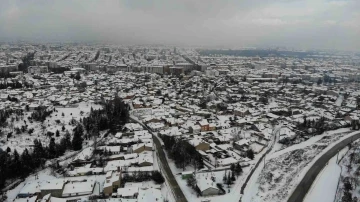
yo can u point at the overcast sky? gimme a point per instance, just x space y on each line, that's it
328 24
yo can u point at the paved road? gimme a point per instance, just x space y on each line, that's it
178 194
303 187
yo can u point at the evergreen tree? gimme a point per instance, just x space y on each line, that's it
4 167
347 197
77 76
191 181
15 166
228 180
232 167
238 169
225 179
250 154
27 162
52 149
67 140
157 177
38 153
233 176
77 139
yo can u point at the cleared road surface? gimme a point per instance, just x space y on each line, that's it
305 184
178 194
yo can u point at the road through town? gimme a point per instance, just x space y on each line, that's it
178 194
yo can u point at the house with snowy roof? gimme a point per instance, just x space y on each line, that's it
138 148
145 159
53 187
113 179
207 187
199 144
82 188
204 124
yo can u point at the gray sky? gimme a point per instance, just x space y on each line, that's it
329 24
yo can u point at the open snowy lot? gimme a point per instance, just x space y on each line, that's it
285 168
55 121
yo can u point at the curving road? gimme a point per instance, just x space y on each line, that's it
303 187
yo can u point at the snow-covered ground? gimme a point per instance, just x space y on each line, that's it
53 122
335 133
285 168
324 187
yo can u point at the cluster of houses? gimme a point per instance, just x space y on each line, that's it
125 153
223 106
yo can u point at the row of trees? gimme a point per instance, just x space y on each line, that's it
14 165
182 152
141 176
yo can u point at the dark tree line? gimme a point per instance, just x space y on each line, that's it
13 165
182 152
140 176
112 116
78 138
40 114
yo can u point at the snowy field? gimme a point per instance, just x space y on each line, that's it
53 122
285 168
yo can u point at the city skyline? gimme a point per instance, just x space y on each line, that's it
319 24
